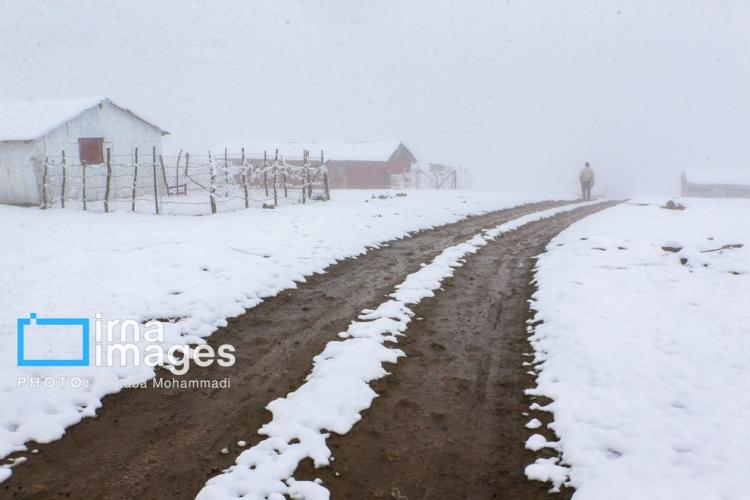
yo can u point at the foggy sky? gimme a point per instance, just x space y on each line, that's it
523 92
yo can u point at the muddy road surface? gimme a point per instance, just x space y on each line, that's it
447 424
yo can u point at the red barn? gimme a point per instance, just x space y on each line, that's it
351 165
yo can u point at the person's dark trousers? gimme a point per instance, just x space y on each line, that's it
586 190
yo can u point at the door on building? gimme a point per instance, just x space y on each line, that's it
91 150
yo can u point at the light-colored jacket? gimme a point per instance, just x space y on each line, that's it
587 175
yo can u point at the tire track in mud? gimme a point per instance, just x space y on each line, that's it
448 421
164 444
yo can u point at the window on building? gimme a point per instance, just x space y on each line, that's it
91 150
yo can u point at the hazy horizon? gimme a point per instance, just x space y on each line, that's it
521 92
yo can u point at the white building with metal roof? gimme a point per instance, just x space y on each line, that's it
82 128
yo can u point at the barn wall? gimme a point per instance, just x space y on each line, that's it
20 176
399 166
715 191
359 174
346 174
122 133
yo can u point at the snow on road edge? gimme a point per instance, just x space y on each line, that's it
337 389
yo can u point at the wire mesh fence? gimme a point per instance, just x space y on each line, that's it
184 184
427 176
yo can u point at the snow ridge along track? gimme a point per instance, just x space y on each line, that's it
337 390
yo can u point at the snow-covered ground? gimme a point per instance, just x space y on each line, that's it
645 352
337 390
197 270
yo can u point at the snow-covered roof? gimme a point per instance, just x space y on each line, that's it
724 177
362 151
30 119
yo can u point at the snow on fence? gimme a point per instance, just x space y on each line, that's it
421 176
184 184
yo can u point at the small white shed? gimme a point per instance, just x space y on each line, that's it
83 128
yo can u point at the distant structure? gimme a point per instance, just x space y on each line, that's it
83 128
446 177
351 165
716 183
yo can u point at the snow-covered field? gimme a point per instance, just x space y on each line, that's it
198 271
645 352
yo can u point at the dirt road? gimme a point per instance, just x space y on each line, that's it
447 425
448 422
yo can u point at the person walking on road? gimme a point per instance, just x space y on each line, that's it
587 181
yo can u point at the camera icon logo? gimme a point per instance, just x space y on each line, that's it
43 350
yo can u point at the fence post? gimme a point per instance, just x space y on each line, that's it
212 187
62 194
226 174
326 187
135 181
83 177
304 163
187 164
265 173
244 179
156 190
177 170
108 185
308 171
284 168
44 183
306 176
275 171
164 172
